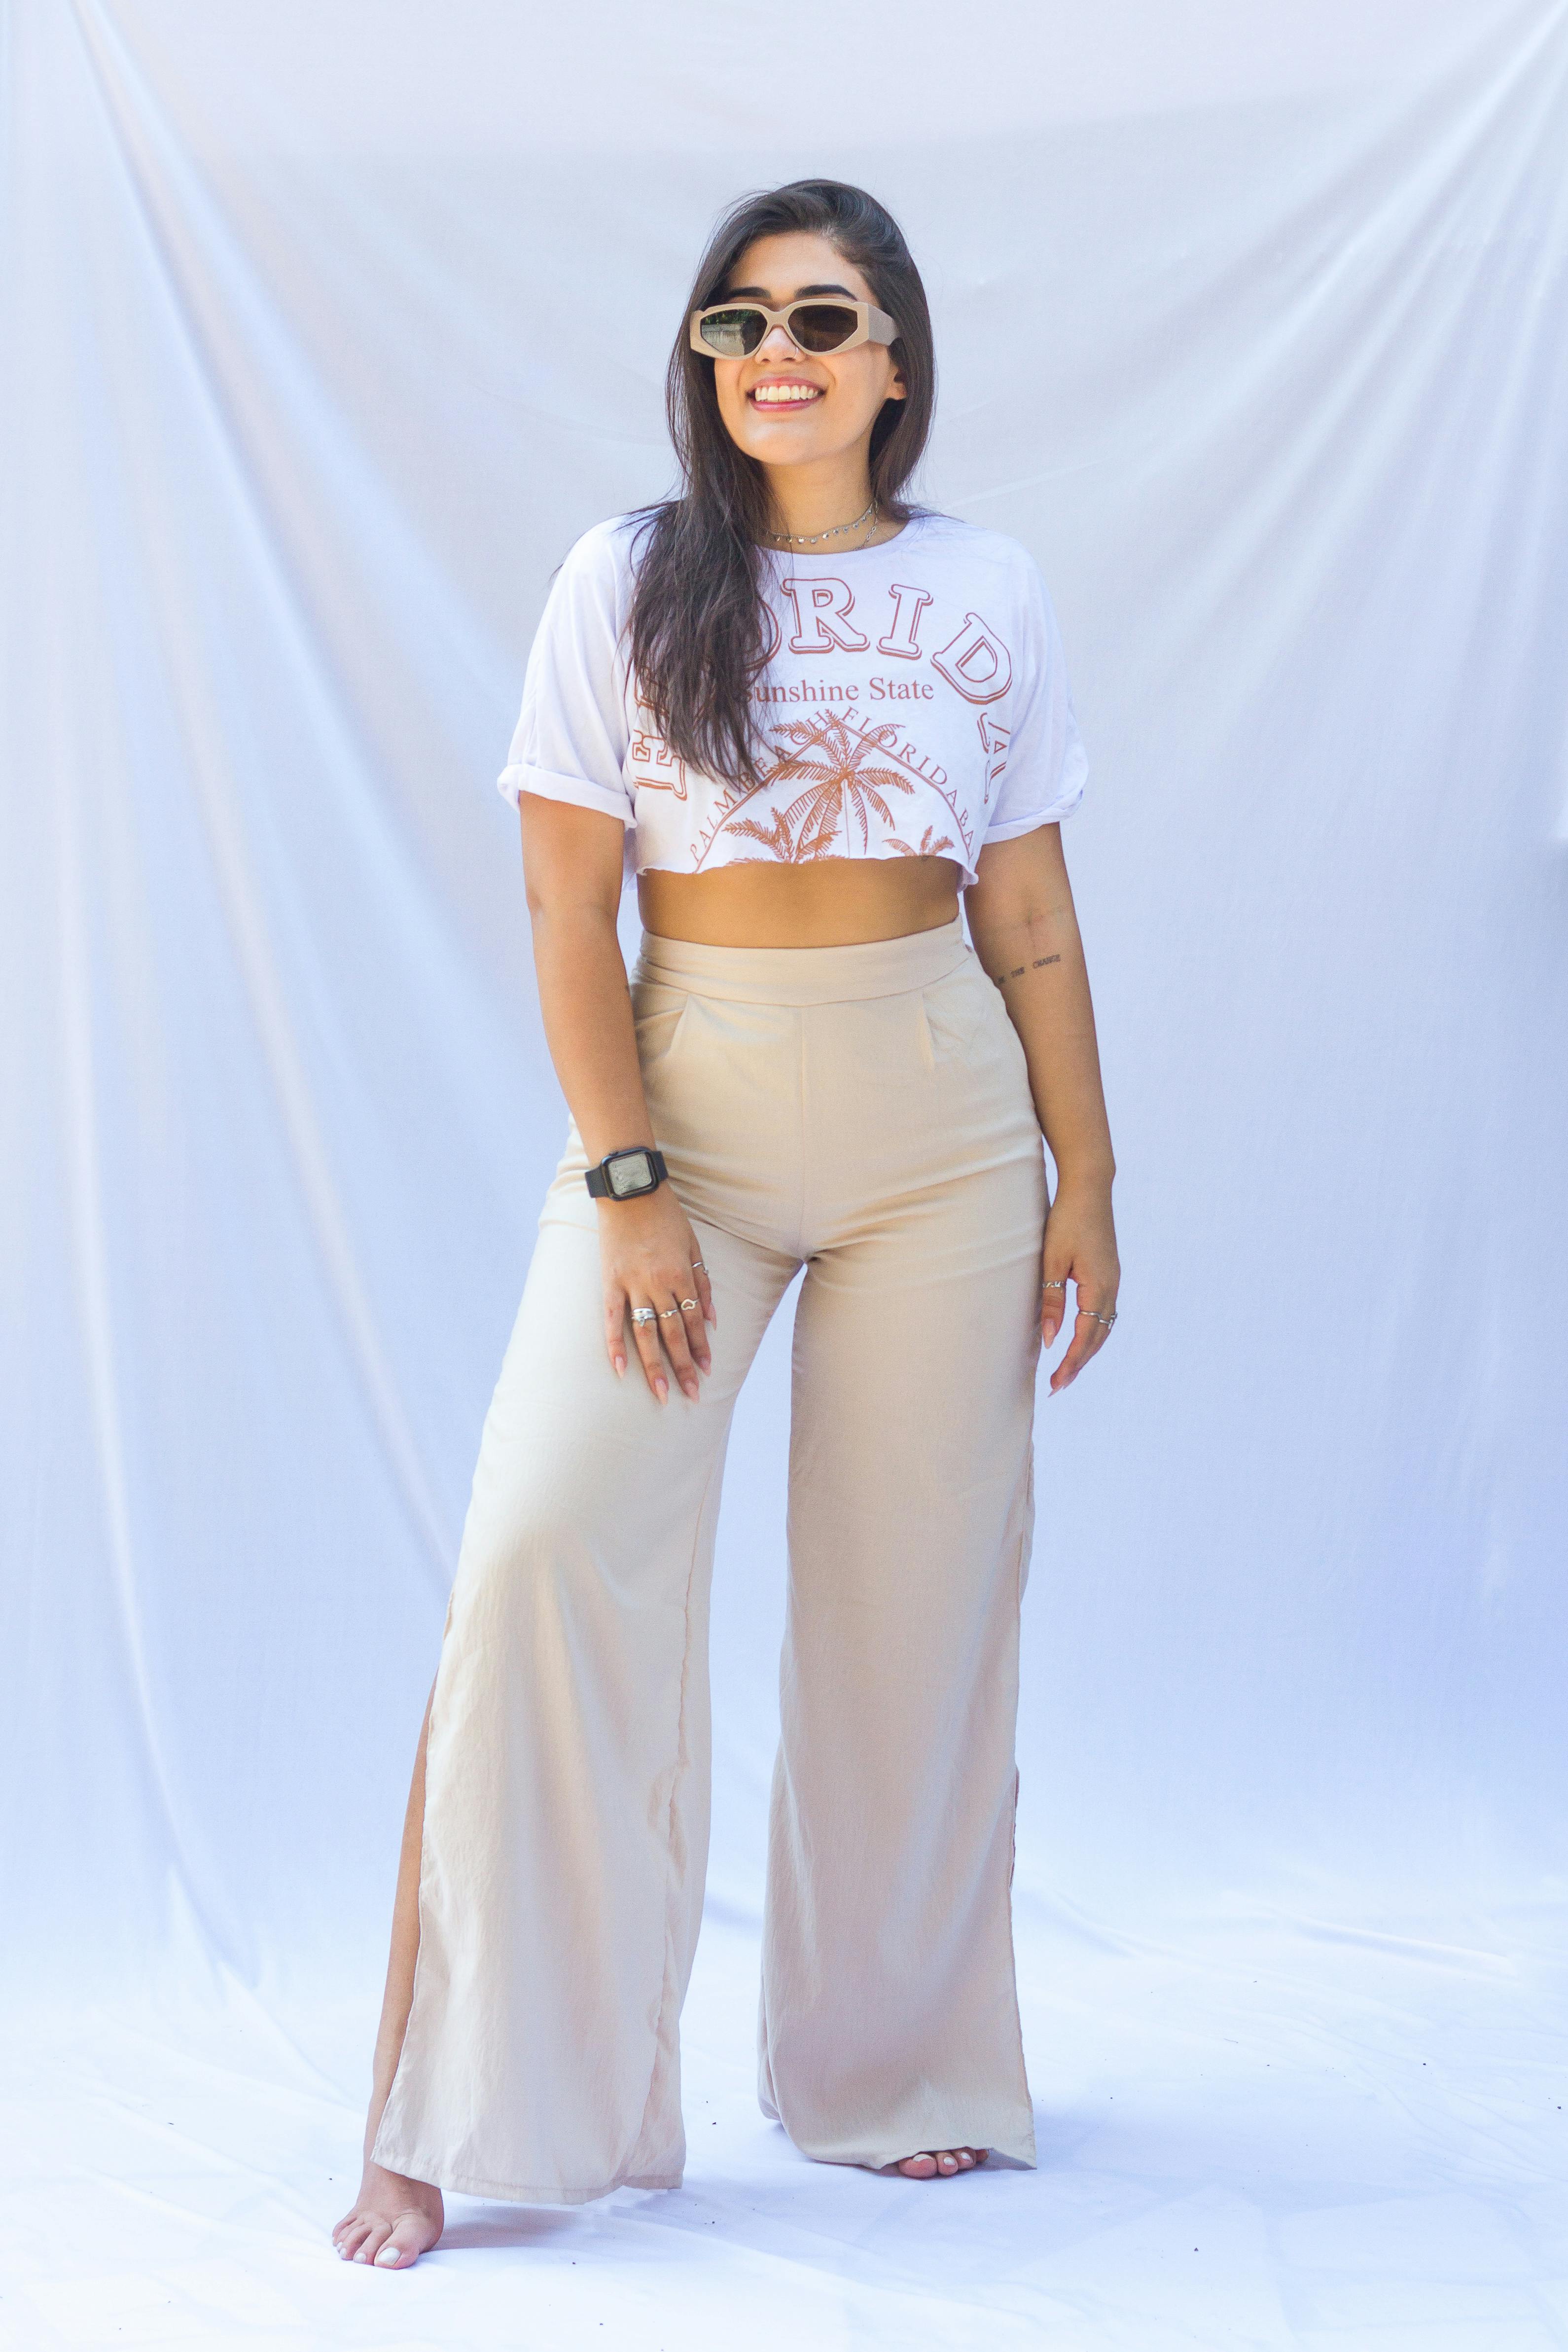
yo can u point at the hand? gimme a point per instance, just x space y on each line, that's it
1081 1248
648 1252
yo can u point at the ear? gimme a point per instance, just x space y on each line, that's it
898 389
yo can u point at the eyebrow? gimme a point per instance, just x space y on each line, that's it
801 294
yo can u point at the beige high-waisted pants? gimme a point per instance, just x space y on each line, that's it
864 1111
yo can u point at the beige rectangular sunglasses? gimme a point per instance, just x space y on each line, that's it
733 331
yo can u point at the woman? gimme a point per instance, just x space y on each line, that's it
807 714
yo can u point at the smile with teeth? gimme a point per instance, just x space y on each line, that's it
784 395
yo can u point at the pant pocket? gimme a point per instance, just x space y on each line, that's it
953 1019
658 1016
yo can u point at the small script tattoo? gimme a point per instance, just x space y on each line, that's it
1001 978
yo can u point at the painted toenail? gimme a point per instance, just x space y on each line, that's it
388 2255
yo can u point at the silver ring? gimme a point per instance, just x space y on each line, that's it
1053 1286
688 1307
697 1266
665 1312
1107 1319
642 1313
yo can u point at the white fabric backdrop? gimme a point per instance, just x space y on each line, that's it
328 328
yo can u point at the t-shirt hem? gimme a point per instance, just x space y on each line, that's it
677 865
514 780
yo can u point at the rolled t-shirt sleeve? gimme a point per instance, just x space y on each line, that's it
571 738
1043 777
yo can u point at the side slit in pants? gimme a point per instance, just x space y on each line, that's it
865 1112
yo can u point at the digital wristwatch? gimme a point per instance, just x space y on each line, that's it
628 1175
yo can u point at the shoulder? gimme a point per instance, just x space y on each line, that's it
606 556
988 557
589 593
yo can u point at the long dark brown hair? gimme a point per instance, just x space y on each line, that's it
695 627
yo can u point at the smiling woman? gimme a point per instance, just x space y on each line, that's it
810 714
785 439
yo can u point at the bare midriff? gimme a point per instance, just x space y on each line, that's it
834 902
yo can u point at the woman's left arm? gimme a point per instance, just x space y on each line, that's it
1025 929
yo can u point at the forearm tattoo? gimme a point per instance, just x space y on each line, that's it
1001 978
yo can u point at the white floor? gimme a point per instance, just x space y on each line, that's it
1265 2132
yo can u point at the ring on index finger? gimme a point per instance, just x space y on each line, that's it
644 1314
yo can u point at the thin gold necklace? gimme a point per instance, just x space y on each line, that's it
815 538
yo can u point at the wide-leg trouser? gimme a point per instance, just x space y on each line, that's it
865 1112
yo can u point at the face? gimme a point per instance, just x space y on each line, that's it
789 407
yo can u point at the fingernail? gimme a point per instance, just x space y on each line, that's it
661 1390
691 1392
620 1364
388 2255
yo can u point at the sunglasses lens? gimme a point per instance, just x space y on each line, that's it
732 334
821 326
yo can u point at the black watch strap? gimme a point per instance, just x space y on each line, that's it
628 1175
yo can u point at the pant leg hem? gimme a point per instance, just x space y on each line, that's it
472 2184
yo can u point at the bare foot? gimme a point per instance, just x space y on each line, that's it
392 2221
941 2163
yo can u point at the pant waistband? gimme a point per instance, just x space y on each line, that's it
805 975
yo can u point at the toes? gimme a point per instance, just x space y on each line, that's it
943 2162
404 2245
390 2245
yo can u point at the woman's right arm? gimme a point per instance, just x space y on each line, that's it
571 867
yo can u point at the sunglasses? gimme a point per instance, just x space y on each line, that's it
733 331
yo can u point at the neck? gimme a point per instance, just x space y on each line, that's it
808 499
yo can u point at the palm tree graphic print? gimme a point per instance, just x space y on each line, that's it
846 776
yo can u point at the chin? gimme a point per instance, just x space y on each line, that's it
785 448
785 444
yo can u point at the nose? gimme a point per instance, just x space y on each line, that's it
776 345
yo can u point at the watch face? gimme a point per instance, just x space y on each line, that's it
630 1172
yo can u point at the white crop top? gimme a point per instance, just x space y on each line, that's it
915 703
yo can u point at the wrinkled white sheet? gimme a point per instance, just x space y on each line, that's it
327 329
1264 2133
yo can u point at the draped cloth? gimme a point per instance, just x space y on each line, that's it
327 331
